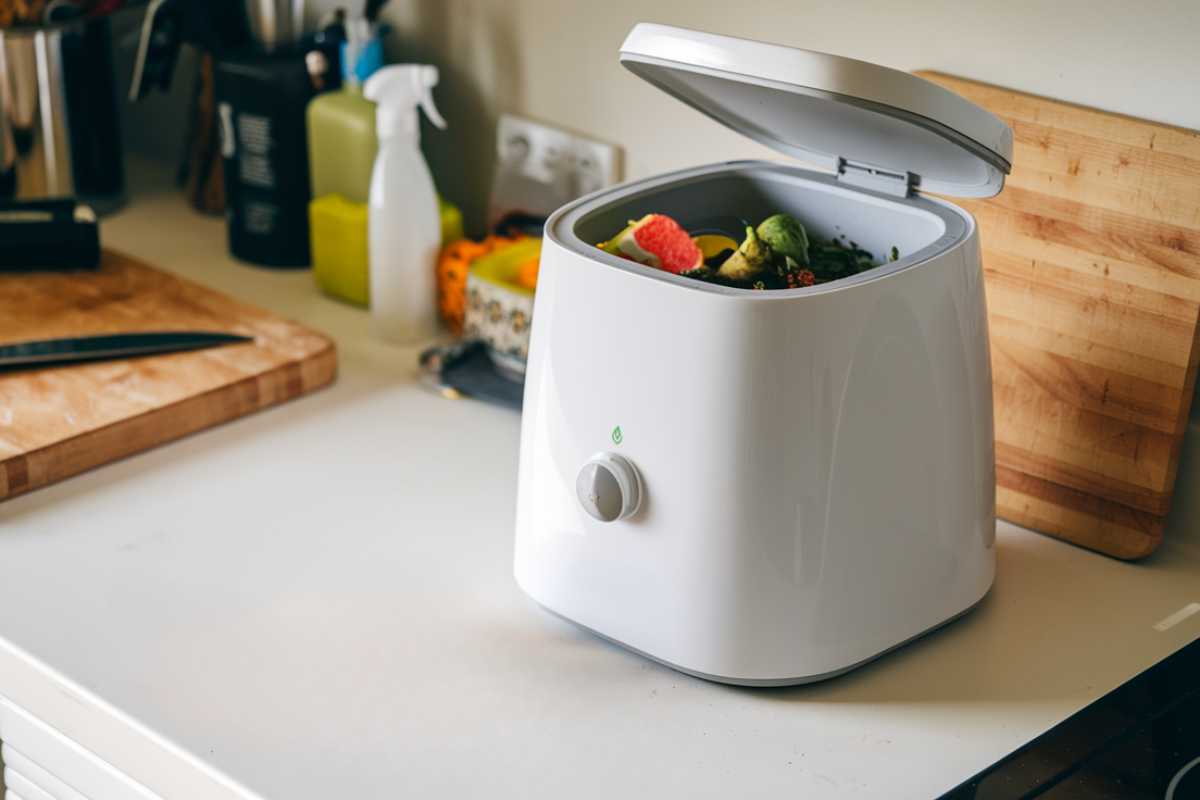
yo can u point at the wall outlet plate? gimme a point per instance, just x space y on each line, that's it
538 151
597 165
553 156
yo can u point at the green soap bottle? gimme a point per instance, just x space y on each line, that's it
341 124
341 154
341 143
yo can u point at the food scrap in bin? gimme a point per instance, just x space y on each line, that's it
777 254
658 241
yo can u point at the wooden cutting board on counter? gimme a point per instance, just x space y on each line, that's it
59 421
1091 257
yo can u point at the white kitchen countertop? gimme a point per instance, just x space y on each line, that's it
317 602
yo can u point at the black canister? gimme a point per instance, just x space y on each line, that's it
261 99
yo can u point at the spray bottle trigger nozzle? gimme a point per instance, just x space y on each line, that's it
401 89
427 106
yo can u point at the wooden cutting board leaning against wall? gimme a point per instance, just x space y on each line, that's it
56 422
1091 258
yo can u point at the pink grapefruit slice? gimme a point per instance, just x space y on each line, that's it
657 240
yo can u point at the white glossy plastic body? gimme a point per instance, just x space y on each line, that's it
817 464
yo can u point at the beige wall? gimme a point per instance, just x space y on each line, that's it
556 61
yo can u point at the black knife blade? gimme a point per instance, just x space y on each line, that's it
74 349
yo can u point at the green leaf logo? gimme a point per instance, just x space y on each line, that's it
617 436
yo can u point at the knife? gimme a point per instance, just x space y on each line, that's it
71 350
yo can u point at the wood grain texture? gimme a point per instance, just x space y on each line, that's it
58 422
1092 262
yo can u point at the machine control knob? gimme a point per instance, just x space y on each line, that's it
609 487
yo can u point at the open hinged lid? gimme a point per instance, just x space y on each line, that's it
876 127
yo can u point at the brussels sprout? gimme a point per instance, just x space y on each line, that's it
748 261
785 236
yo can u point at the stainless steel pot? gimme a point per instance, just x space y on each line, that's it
59 128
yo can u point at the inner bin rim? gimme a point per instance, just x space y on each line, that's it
958 224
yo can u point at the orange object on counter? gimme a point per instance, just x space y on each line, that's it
527 273
453 264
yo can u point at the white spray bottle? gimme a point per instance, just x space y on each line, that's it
404 227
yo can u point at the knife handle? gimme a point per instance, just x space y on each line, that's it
57 234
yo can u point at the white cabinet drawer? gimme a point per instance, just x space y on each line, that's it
43 764
19 772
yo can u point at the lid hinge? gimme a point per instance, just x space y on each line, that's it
897 184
